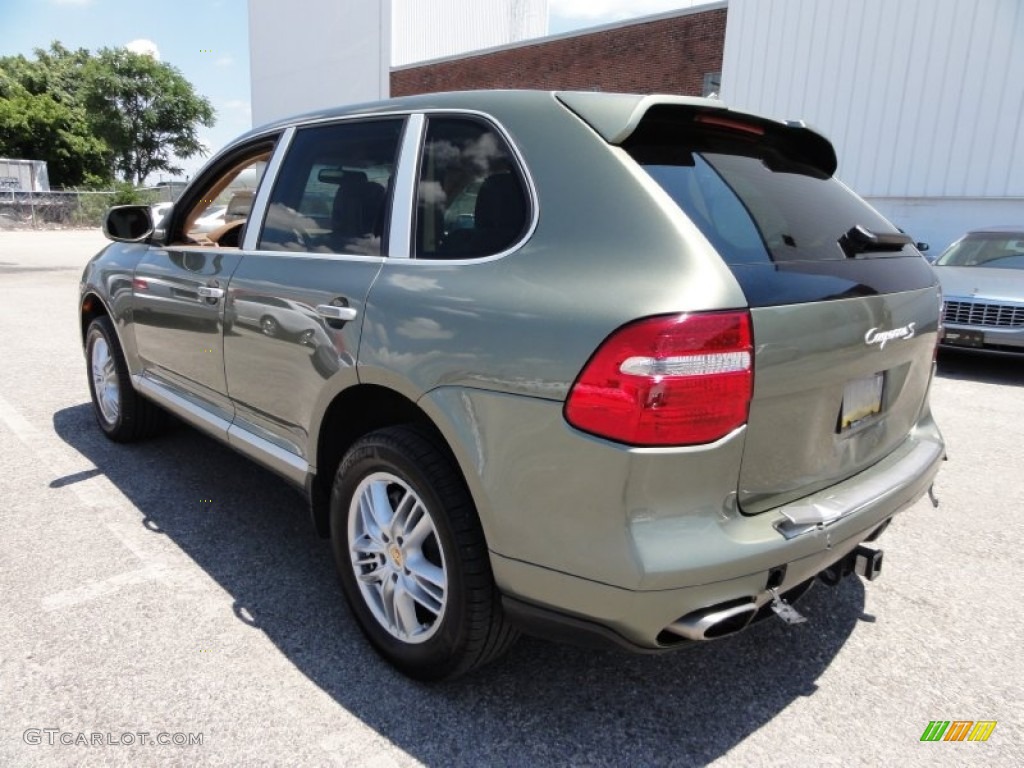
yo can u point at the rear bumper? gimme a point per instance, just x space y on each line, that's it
750 553
626 541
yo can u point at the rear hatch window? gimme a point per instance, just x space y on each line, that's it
763 195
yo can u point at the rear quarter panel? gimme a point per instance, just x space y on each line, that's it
609 247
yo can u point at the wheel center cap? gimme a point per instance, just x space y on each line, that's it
396 556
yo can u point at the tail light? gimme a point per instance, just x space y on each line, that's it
672 380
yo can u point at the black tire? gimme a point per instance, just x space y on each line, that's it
136 417
471 629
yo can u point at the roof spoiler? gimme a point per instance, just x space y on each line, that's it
615 116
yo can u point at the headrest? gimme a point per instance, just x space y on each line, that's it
339 176
500 203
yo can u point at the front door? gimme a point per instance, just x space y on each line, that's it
179 289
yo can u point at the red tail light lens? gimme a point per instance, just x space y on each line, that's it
674 380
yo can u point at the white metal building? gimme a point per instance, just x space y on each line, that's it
923 99
319 53
23 175
432 29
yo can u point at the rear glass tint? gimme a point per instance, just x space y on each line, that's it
754 203
764 196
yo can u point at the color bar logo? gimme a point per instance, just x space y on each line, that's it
958 730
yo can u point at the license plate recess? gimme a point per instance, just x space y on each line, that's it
862 400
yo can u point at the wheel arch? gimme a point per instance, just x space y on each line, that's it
354 412
91 307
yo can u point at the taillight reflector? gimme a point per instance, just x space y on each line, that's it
672 380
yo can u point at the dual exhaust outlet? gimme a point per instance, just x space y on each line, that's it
730 617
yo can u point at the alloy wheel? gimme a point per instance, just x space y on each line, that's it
397 558
105 381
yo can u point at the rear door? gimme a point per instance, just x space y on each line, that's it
844 308
295 304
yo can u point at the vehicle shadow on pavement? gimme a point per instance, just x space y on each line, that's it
987 369
542 704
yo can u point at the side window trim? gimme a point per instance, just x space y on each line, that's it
254 227
403 202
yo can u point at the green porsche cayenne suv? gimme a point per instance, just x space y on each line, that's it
600 367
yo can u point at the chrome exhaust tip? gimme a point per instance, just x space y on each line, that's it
714 622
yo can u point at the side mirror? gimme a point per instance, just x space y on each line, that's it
128 223
929 257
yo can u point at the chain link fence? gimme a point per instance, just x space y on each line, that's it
67 208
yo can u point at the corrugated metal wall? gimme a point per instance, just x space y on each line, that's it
432 29
922 98
24 175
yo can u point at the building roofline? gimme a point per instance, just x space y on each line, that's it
713 5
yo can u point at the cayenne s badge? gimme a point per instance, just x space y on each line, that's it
881 338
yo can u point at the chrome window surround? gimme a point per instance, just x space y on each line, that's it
259 205
403 199
262 201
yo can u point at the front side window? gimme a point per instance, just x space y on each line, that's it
471 200
331 195
221 212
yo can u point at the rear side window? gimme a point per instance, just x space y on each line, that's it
471 200
332 193
755 202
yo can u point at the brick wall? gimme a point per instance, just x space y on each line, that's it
664 55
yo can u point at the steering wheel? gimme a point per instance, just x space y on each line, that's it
227 235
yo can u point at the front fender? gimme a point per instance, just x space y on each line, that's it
107 278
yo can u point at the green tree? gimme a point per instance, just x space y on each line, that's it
145 111
42 117
94 116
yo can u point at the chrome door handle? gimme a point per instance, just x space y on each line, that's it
210 293
331 312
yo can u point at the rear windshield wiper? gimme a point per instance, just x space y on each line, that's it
859 239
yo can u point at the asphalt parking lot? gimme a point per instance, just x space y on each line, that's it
173 588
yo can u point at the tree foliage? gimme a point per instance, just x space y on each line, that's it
94 116
145 110
42 117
